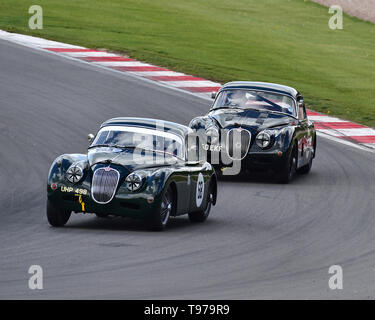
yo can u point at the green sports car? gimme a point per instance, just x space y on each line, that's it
135 167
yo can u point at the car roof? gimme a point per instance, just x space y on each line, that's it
261 86
156 124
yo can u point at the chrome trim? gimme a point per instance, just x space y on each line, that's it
264 132
227 143
70 173
114 190
134 175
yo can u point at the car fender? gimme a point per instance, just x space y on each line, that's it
160 179
287 138
61 164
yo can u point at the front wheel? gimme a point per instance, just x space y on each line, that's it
102 215
56 216
290 167
160 219
202 215
307 168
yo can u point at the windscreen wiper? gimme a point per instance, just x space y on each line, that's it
228 107
280 112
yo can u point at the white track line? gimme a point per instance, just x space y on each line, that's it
122 64
157 73
195 84
345 142
89 54
325 119
34 41
349 132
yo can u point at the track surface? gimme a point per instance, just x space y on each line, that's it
262 240
363 9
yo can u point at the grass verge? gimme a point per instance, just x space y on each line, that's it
283 41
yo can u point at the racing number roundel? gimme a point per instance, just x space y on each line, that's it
200 190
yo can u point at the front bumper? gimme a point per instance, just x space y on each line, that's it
254 162
76 199
263 162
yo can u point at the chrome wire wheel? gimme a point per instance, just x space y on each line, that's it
166 207
158 220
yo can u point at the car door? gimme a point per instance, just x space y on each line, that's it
199 174
200 180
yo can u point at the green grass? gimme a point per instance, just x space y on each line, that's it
281 41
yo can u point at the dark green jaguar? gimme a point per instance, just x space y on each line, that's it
140 168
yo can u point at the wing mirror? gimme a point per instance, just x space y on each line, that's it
213 94
301 103
90 137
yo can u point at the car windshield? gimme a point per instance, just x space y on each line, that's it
140 138
252 99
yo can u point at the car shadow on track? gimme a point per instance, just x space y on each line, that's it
263 178
91 222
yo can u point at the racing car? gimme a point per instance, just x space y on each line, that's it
134 167
263 127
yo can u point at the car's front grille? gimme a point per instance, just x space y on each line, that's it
104 184
238 143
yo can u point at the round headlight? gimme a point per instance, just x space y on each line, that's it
133 181
263 140
212 135
74 173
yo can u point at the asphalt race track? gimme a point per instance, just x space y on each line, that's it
262 240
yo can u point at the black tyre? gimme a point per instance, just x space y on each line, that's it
290 167
306 168
57 217
101 215
160 219
202 215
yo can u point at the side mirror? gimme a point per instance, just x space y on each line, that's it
213 94
301 103
90 137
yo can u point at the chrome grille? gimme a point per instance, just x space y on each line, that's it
104 184
238 148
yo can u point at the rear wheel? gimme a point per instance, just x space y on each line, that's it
202 215
290 167
159 221
56 216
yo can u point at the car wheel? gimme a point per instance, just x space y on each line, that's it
159 221
290 167
101 215
306 168
202 215
55 216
